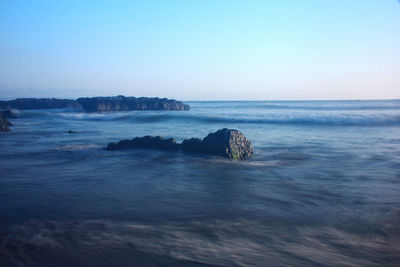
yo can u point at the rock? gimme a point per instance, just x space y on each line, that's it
121 103
4 123
192 145
145 142
39 103
228 143
71 132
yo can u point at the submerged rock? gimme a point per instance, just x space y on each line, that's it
228 143
120 103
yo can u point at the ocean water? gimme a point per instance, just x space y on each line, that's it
323 188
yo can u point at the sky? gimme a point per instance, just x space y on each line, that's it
201 49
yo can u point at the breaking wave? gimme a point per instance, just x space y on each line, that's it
294 119
78 146
328 113
333 120
306 105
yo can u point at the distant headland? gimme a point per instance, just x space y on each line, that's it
96 104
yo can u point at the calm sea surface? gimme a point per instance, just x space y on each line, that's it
323 188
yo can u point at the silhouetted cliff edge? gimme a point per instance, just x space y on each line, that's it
39 103
94 104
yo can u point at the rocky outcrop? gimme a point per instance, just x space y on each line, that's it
4 123
39 103
121 103
145 142
228 143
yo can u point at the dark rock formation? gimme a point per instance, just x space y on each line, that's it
192 145
4 123
95 104
145 142
39 103
228 143
120 103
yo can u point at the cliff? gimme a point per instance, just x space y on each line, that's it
120 103
39 103
96 104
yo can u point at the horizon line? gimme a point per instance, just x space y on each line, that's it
216 100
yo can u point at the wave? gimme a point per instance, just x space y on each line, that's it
327 120
78 146
328 107
233 117
383 120
303 105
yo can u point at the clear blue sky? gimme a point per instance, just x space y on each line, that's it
201 50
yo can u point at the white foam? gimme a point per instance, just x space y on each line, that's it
79 146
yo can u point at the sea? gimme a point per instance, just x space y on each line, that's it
322 189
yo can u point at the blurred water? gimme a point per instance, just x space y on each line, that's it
323 187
